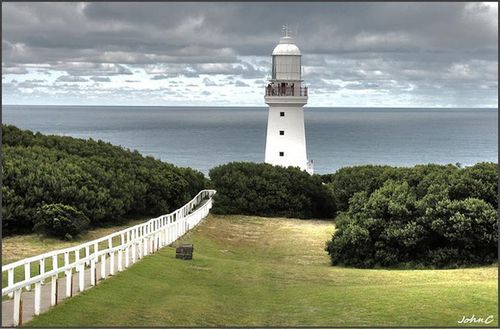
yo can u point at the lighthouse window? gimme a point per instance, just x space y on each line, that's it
274 69
282 154
282 114
282 132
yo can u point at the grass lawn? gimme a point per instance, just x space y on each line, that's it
260 271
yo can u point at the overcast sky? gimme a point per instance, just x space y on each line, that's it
354 54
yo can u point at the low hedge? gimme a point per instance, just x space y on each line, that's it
265 190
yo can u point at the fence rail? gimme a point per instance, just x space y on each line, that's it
134 243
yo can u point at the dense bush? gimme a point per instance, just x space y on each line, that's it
61 221
479 181
266 190
347 181
394 226
350 180
103 181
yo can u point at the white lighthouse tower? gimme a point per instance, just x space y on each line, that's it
285 95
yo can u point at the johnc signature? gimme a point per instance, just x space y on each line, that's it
473 320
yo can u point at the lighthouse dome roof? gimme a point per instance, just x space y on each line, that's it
286 47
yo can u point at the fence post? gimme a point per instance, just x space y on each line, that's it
93 278
139 249
53 290
55 262
120 260
87 254
81 278
10 280
77 256
133 252
127 255
173 233
38 297
165 229
112 263
152 242
66 259
69 282
18 312
147 245
27 274
42 268
103 266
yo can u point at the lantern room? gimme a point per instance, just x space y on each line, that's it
286 60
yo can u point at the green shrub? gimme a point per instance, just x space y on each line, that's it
104 182
347 181
265 190
61 221
479 181
393 228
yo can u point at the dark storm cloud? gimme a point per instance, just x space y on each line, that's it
402 46
163 32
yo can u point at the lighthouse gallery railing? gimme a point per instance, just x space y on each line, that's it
285 91
134 243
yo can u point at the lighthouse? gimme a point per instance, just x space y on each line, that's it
286 96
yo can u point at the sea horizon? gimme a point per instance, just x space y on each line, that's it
261 106
336 137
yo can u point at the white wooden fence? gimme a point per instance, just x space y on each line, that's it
134 243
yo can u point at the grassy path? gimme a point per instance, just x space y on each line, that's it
17 247
258 271
22 246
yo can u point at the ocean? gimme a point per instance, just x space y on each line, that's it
204 137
